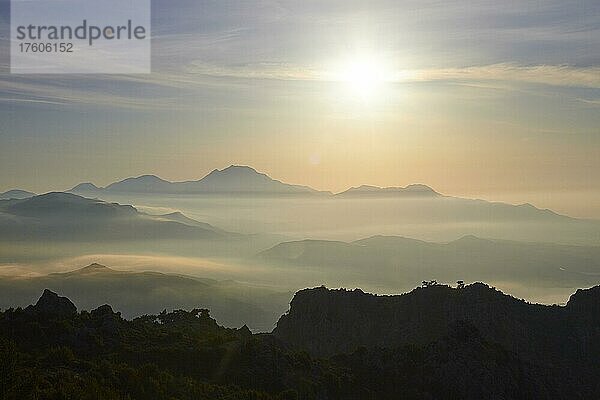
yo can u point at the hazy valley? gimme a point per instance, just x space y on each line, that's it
416 211
237 224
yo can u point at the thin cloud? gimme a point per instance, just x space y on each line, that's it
165 89
553 75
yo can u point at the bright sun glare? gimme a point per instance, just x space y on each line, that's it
363 76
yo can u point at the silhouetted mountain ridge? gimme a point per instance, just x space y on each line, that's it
16 194
93 268
411 205
66 216
398 261
235 179
85 187
413 190
140 184
63 205
327 322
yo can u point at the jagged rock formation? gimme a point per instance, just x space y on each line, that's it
53 305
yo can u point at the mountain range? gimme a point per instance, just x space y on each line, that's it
392 262
61 216
237 180
234 179
398 209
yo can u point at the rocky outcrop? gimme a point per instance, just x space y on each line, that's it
52 305
327 322
586 302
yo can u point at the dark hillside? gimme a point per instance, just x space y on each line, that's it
433 343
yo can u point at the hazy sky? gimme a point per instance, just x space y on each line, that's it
478 98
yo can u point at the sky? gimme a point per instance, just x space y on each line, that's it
488 99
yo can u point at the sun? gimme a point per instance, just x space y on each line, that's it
363 76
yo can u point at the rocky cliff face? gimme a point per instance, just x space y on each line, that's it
327 322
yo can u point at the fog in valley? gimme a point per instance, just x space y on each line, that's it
340 218
269 245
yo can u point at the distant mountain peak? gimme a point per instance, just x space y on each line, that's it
245 179
17 194
143 178
67 207
471 239
390 240
95 268
237 170
65 197
68 215
232 179
419 187
85 187
55 196
142 183
415 189
244 168
149 177
366 187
